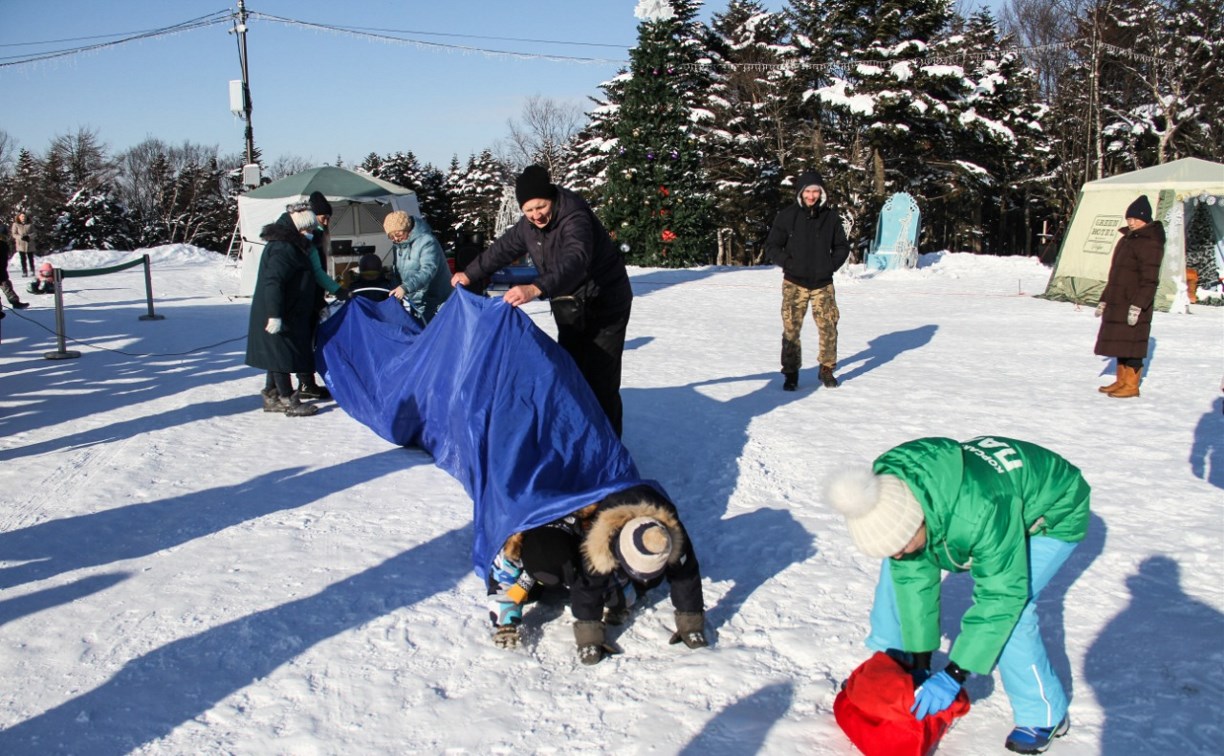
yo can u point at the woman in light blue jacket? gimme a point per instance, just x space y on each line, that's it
424 278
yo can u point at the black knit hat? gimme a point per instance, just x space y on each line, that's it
1140 209
534 183
546 552
319 204
369 262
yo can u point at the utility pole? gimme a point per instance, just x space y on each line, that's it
239 30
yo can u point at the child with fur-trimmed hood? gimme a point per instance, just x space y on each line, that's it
607 554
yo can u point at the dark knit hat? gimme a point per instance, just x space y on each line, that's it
534 183
319 204
369 262
546 551
1140 209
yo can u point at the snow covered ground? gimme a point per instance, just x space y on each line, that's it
183 573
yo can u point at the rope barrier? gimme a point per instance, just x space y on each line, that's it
61 353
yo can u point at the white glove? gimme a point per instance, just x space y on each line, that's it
274 325
1100 309
1132 315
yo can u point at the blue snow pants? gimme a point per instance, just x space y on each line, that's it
1036 694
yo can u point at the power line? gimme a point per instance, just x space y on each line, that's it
195 23
355 32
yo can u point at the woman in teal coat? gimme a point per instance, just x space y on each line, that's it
419 263
1008 512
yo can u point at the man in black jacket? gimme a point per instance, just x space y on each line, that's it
808 242
579 269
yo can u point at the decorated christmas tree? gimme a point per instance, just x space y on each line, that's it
655 199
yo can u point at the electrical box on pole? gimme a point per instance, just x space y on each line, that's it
237 104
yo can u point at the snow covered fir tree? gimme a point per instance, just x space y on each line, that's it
655 200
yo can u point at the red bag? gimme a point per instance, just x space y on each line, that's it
873 709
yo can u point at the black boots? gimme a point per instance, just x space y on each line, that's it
291 406
792 381
308 389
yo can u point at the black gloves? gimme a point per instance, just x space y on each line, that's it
690 629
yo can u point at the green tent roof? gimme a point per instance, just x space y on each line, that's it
333 182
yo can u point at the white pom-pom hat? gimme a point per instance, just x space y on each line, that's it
880 510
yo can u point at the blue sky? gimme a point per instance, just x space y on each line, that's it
317 94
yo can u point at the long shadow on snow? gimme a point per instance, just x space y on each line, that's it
1207 453
702 473
101 380
58 546
134 426
957 592
21 606
1156 668
157 692
742 727
885 348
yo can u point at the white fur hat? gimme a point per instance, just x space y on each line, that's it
642 548
880 510
301 214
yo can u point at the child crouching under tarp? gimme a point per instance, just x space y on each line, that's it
607 555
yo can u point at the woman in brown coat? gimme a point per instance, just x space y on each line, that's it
1126 303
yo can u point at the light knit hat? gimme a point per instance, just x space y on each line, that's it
303 217
397 221
880 510
642 548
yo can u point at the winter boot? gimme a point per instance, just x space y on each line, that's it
590 637
1130 384
308 389
293 407
792 381
11 296
826 377
1117 384
271 400
1036 739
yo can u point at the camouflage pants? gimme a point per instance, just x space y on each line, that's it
795 299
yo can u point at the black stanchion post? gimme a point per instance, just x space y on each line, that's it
61 353
149 292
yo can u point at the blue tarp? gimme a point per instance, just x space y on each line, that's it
499 405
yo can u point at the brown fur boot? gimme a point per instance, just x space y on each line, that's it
1117 384
1130 384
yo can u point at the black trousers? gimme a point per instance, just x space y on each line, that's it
597 349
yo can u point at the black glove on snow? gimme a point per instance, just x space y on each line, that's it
690 628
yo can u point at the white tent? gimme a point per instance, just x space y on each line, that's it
1083 260
359 205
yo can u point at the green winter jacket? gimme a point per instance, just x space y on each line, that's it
981 500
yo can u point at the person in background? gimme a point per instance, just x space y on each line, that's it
580 270
419 263
44 280
22 235
807 241
1010 513
1129 297
320 237
372 281
281 329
